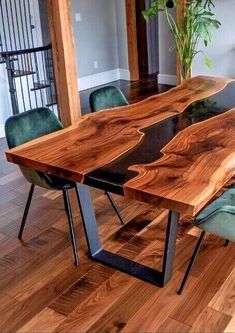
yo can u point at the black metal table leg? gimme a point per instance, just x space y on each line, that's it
170 244
159 278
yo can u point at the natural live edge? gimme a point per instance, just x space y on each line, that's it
102 137
194 167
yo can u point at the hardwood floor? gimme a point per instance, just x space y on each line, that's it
41 290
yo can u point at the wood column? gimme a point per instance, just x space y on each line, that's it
132 39
64 56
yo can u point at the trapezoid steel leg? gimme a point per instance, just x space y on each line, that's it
159 278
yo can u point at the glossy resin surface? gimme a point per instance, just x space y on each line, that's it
116 174
174 149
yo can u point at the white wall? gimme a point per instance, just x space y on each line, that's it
222 49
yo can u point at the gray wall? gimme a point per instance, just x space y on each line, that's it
167 56
222 49
100 36
152 42
122 34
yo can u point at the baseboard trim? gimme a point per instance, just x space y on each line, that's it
124 74
2 131
98 79
167 79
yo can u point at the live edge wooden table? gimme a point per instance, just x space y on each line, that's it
175 150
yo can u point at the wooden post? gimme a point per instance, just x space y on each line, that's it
132 39
64 57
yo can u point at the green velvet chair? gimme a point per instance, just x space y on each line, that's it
28 126
218 218
107 98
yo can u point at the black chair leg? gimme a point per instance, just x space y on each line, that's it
192 260
226 242
71 225
26 211
115 207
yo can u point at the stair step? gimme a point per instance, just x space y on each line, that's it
22 72
53 101
40 85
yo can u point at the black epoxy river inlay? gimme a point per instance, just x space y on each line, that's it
112 176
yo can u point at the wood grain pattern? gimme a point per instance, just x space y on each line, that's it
132 39
224 299
64 57
45 245
115 289
212 277
97 275
171 325
109 134
46 321
231 326
195 165
211 321
120 313
186 308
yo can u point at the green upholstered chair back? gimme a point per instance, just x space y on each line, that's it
218 217
30 125
107 98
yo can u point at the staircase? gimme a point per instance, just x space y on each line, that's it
31 80
24 62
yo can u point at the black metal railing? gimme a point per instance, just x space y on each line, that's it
31 78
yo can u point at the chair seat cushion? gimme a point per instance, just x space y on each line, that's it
58 183
46 181
218 217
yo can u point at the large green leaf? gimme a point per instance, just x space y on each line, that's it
198 24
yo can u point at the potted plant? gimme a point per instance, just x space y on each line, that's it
197 23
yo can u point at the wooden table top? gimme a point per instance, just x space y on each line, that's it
175 149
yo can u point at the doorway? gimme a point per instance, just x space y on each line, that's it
147 41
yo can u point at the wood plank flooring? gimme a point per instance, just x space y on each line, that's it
41 290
